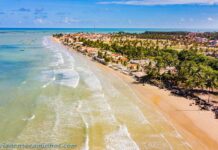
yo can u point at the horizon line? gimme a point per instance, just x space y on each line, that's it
102 28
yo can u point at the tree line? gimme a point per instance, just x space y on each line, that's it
193 70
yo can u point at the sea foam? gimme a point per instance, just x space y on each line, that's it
120 140
90 79
60 71
67 77
30 118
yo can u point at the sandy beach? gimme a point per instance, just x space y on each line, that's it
198 127
109 74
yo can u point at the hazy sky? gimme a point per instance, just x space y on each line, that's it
109 14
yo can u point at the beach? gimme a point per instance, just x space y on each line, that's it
52 94
109 75
60 97
199 128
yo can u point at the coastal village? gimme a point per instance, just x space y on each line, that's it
109 74
140 67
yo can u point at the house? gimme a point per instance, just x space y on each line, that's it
78 43
213 43
139 75
123 60
201 40
91 51
100 60
115 57
132 67
118 58
82 50
172 70
142 62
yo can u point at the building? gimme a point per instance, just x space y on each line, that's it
91 51
213 43
139 76
201 40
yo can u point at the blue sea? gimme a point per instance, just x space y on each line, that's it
49 94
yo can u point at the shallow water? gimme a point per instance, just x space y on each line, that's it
48 95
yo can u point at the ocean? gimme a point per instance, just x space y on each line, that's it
51 95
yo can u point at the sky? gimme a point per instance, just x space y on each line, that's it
109 14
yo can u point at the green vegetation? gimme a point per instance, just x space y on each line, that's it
155 35
209 35
192 70
187 69
58 35
169 35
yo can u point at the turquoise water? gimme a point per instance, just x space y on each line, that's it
22 58
51 95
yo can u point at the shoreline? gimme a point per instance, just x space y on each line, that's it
189 120
192 126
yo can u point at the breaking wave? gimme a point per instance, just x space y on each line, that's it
60 70
120 140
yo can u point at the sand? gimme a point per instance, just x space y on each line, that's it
199 128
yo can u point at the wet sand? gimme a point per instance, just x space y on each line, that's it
199 128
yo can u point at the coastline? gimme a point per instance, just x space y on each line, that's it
192 123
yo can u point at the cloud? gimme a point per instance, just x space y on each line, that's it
70 20
160 2
61 13
210 19
20 22
129 21
182 19
41 16
40 13
191 19
24 10
39 21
